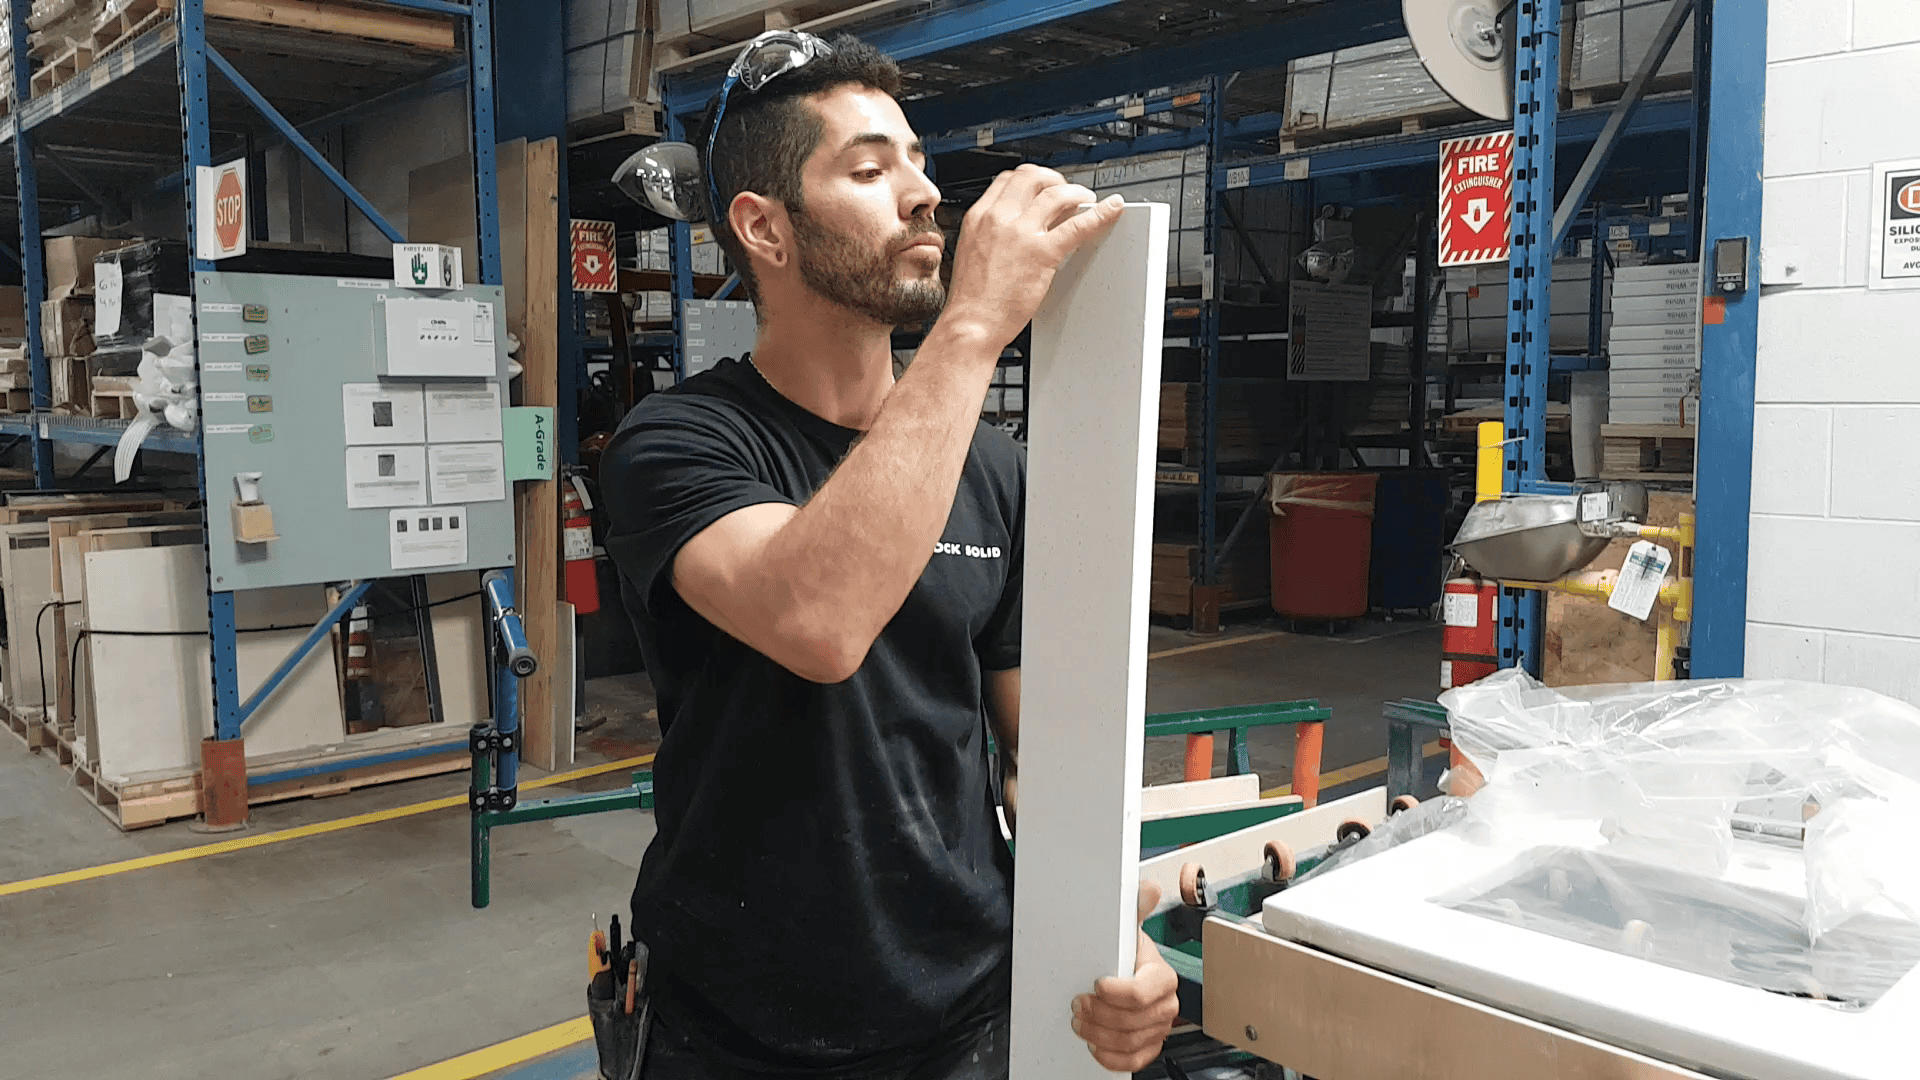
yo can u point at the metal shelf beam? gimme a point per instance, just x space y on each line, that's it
1403 151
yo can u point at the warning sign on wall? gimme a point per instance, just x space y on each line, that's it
594 268
1476 199
1896 262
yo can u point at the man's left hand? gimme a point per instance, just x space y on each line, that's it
1126 1019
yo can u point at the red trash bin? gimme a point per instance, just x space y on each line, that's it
1322 533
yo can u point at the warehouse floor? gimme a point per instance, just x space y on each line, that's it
354 955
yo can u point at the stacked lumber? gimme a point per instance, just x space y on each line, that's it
1245 574
1255 419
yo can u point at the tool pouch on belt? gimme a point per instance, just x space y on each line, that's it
619 1036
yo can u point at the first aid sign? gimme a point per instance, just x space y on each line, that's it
1476 200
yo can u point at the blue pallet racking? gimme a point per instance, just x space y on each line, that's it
174 55
957 54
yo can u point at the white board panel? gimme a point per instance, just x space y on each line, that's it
153 709
1095 412
26 567
1215 793
143 716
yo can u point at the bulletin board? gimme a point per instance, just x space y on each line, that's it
366 476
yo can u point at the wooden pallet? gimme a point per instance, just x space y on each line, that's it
139 17
113 405
1467 424
722 33
384 25
1657 452
143 801
1295 139
29 727
57 71
1607 95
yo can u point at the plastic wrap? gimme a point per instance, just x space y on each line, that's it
126 281
1368 85
1693 777
1429 817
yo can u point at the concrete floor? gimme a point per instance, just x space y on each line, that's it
354 955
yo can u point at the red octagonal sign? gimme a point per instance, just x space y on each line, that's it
1476 200
229 209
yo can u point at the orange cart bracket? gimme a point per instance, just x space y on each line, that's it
1200 726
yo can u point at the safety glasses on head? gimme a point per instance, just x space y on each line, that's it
666 177
764 59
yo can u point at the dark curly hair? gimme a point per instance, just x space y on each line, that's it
767 136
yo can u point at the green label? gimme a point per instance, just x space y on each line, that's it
259 403
254 313
257 344
259 372
260 433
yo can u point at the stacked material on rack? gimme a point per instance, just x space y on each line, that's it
1612 37
1254 417
1654 346
1381 86
1476 303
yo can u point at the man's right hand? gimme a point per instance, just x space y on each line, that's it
1011 244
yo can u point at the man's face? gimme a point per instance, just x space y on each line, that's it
867 240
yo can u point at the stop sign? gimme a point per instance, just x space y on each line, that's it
229 209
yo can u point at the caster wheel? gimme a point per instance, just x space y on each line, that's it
1281 865
1351 830
1193 885
1401 804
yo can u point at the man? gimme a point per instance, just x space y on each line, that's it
824 569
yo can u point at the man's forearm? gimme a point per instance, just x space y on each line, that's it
843 564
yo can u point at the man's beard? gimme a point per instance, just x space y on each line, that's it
862 279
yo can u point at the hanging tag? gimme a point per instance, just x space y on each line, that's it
1640 579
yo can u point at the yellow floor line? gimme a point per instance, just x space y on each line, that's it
1351 773
241 843
490 1059
1182 650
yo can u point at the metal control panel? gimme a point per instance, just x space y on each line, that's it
362 474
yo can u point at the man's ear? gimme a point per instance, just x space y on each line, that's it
764 228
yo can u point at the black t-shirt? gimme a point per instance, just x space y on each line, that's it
829 888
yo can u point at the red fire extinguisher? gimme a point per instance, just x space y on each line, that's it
583 584
1469 643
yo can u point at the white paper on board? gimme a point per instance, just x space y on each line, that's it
428 536
463 412
383 476
467 472
383 413
107 298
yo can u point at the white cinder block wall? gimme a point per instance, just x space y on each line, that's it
1834 585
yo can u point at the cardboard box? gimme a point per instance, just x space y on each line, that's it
66 326
70 263
13 313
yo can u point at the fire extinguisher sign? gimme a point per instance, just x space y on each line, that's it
1476 199
1896 259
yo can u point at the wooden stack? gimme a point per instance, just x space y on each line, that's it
17 378
1255 418
1647 452
1244 574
